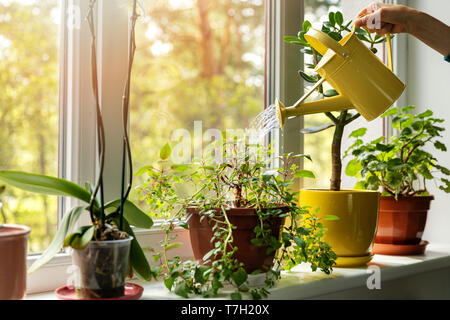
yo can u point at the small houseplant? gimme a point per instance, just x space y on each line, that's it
401 166
343 235
105 251
235 211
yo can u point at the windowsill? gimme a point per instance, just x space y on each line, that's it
301 283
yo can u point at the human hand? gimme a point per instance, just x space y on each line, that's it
385 18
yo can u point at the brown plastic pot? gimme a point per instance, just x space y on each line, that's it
13 255
245 220
402 221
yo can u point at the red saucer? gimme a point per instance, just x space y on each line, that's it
400 249
132 292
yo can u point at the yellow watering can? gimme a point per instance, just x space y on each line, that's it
363 82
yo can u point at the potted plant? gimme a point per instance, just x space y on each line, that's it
106 250
242 218
13 252
352 235
401 167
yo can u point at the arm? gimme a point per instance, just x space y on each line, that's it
384 18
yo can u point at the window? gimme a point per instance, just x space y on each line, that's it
29 46
199 65
318 145
215 61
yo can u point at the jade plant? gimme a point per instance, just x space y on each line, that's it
214 188
111 220
335 28
403 164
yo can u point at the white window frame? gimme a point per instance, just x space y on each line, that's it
77 147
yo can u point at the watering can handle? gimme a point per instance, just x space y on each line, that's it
321 42
389 48
389 52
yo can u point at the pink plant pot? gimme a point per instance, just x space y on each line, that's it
13 255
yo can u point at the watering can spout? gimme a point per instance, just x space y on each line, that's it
337 103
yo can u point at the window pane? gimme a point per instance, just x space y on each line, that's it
197 61
318 145
29 110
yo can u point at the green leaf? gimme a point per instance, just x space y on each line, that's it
384 148
307 78
165 152
81 238
353 168
317 129
331 18
299 242
216 284
358 133
425 114
395 165
173 245
294 40
360 185
67 224
306 26
307 51
407 109
138 260
394 179
180 167
338 17
168 282
440 146
425 172
184 225
444 170
143 170
331 217
182 290
331 93
45 185
239 277
335 35
377 165
199 274
236 296
305 174
362 37
133 214
446 186
391 112
406 131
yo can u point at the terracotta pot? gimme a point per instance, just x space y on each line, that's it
352 236
402 221
245 220
13 255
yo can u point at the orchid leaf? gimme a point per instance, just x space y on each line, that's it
44 185
67 224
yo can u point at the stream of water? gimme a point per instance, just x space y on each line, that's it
266 121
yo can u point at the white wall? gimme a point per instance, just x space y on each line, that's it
428 87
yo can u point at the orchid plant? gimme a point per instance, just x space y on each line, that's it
111 220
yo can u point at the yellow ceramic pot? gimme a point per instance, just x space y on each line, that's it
353 235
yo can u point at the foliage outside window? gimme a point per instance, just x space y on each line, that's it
29 46
199 65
